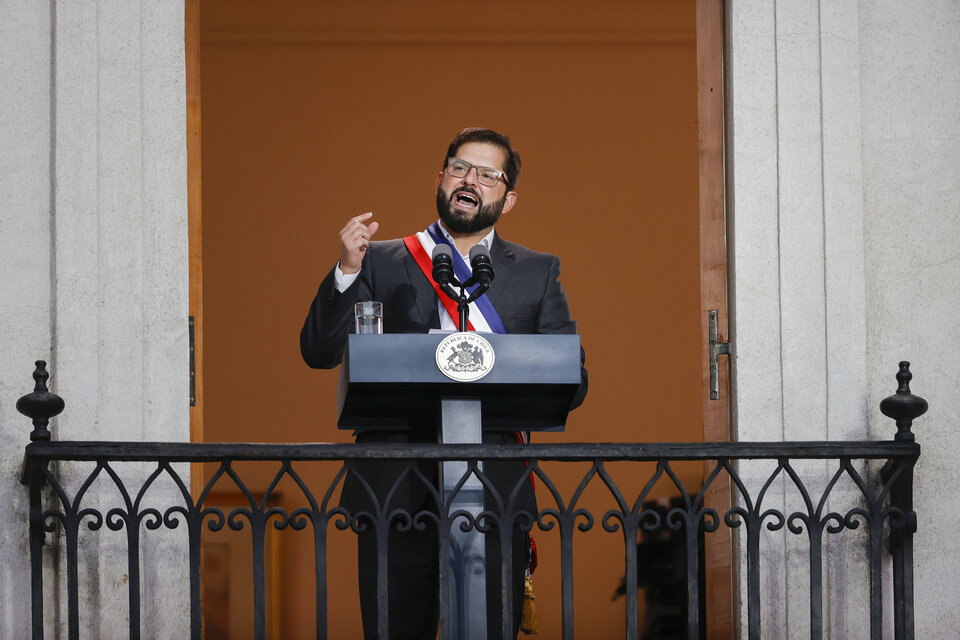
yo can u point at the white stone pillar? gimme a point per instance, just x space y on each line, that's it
25 274
93 256
798 291
121 294
844 183
910 61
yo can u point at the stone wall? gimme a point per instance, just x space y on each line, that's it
844 174
910 79
25 274
93 251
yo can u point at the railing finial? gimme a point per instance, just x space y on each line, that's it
41 405
903 406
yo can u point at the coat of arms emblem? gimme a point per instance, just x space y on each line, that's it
464 357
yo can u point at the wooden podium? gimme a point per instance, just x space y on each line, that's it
393 381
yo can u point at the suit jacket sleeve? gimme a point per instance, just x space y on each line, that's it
554 317
328 322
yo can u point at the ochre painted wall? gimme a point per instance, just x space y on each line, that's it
316 112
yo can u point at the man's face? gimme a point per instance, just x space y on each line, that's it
465 205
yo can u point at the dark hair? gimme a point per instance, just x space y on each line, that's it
511 167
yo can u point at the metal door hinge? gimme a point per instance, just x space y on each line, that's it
717 349
193 363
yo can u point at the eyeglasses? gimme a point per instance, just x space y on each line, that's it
487 176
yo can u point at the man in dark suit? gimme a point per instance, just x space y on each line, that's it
474 188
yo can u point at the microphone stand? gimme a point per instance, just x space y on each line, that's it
463 302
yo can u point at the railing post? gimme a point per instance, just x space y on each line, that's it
903 407
39 406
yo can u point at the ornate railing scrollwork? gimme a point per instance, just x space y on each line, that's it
882 507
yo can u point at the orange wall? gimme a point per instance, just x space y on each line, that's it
320 111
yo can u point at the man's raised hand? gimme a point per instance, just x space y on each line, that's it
354 240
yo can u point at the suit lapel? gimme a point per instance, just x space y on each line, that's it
504 262
426 296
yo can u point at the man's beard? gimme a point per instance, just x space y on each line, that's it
460 222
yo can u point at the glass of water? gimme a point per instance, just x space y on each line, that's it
369 315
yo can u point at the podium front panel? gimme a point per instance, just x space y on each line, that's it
391 381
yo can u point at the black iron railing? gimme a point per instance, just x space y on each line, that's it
882 507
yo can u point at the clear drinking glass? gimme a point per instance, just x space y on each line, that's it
369 316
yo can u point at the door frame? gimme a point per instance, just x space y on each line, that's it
194 229
718 585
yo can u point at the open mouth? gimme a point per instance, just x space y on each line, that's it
466 200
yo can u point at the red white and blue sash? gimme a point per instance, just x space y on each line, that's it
483 317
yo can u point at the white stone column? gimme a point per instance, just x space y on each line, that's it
844 182
751 86
910 61
25 274
798 294
121 291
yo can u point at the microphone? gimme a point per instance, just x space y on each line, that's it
482 265
442 265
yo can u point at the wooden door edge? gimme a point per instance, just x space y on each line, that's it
195 229
718 606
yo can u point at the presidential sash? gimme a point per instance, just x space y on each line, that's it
483 317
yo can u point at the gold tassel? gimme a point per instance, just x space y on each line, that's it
528 624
